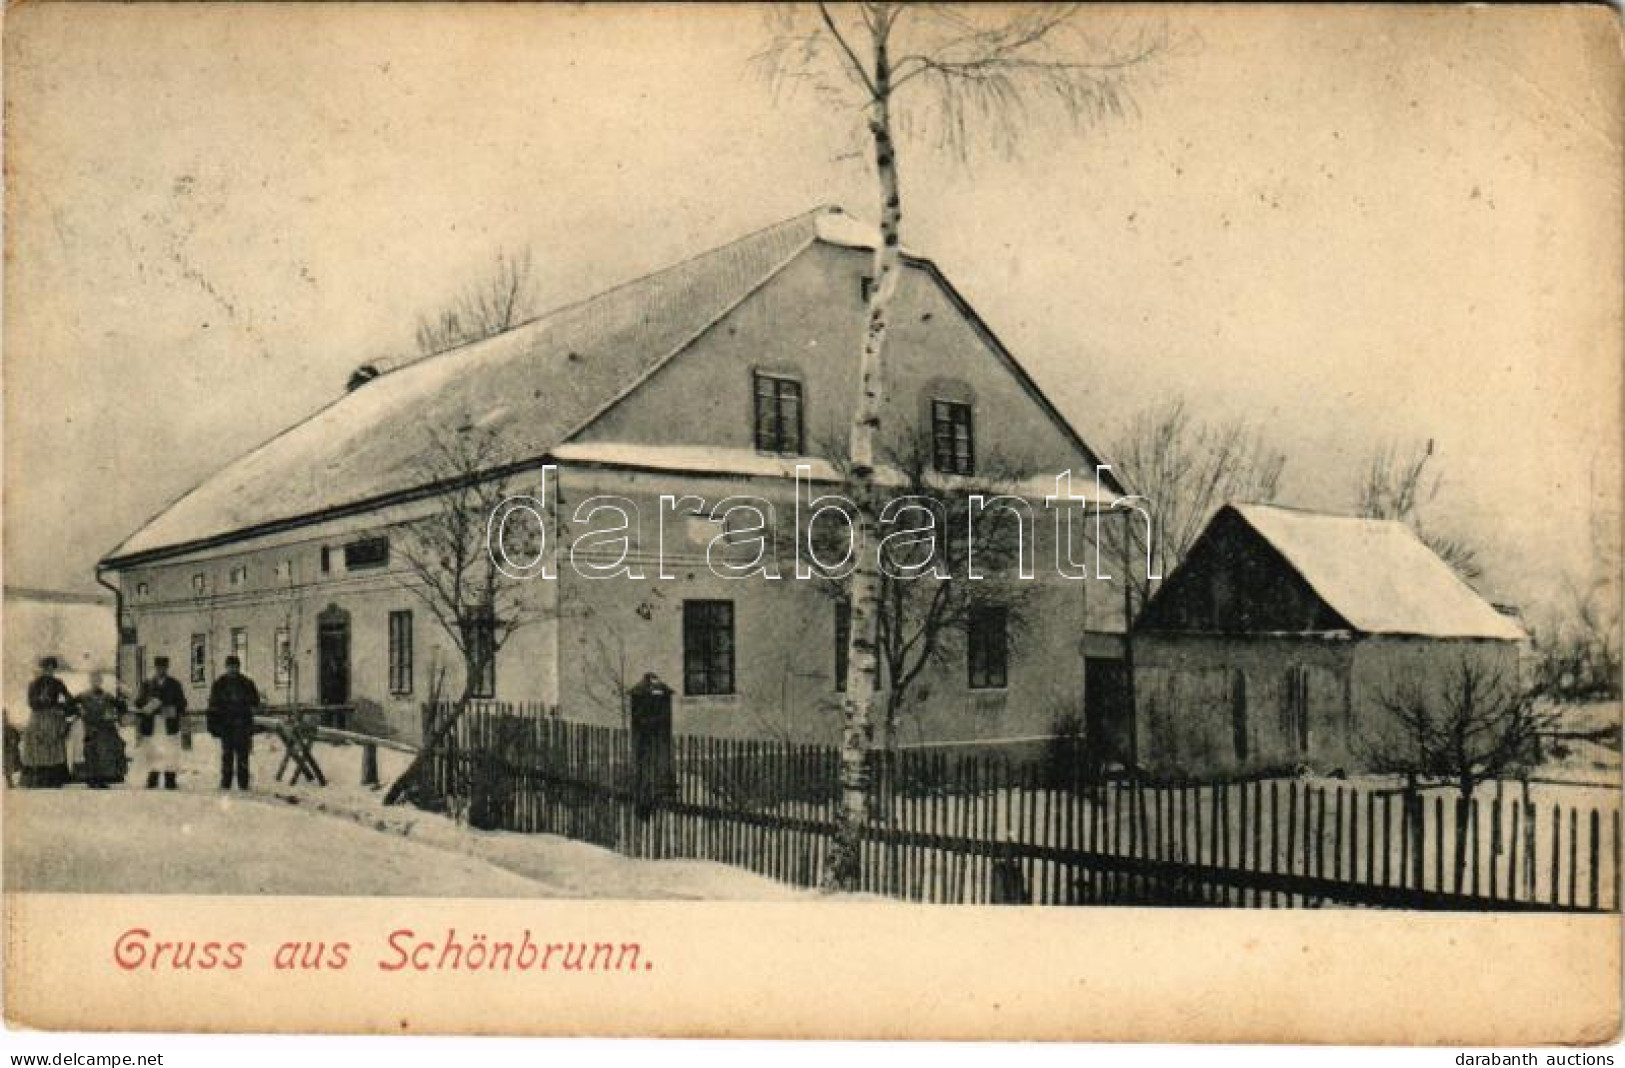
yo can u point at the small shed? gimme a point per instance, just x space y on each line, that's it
1274 643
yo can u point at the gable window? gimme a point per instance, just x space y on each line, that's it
284 570
953 443
843 639
200 582
239 575
200 659
987 648
283 652
480 635
142 589
400 652
371 552
708 647
778 414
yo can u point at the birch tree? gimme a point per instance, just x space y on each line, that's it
969 73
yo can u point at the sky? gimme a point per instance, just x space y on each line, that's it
1347 226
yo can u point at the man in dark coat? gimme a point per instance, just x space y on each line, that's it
232 704
161 699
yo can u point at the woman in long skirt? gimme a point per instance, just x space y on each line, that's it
104 761
44 748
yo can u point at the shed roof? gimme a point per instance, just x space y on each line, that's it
1377 574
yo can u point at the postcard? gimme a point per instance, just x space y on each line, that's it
838 520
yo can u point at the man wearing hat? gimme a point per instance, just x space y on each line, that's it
161 698
232 704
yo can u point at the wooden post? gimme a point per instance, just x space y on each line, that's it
369 765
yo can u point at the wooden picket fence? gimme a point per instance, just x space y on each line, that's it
981 828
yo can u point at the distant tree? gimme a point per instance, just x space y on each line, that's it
1396 483
1578 649
451 570
499 300
1184 468
984 72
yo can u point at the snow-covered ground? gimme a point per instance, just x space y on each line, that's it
307 839
140 842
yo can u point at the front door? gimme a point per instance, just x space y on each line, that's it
333 659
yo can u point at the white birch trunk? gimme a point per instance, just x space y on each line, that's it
863 702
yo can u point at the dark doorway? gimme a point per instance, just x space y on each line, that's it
333 657
1238 713
1107 724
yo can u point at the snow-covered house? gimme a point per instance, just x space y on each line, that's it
1276 640
710 378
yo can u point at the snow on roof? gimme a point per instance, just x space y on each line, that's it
1378 575
835 227
532 386
712 460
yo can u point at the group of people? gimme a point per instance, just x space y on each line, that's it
100 760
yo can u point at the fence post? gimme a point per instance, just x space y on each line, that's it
369 765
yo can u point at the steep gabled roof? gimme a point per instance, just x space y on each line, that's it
533 387
1377 574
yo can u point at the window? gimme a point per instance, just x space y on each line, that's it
708 647
239 646
400 652
142 589
327 559
778 414
843 638
200 582
987 649
480 637
283 653
284 570
866 288
953 444
372 552
239 575
200 659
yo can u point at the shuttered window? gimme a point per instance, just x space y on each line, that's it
708 647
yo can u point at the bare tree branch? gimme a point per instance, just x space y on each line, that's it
498 301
